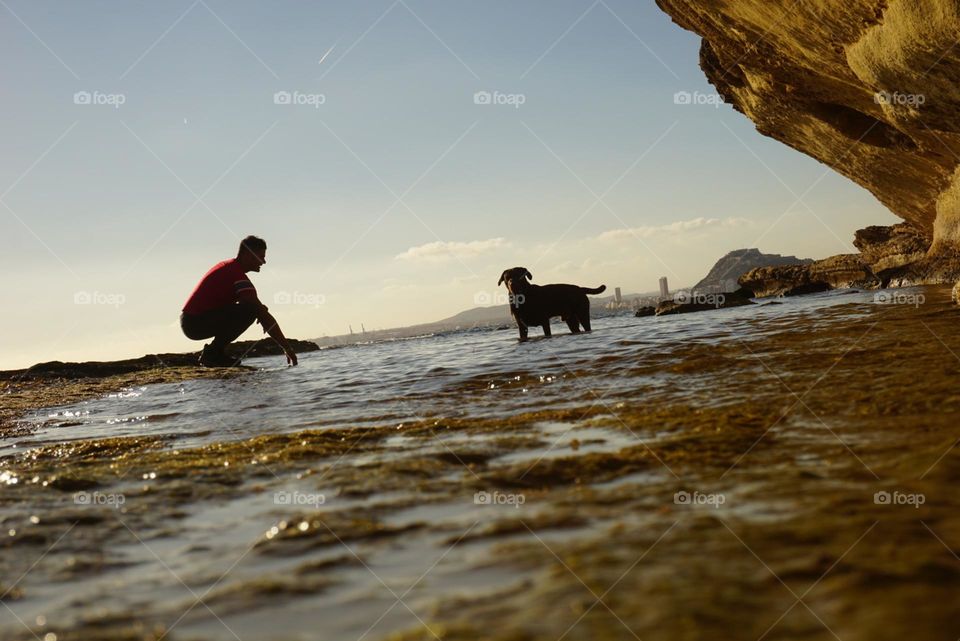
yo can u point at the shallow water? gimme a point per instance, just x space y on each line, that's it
480 373
674 477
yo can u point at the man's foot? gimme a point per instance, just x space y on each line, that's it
211 357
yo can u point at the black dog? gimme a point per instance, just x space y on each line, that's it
533 305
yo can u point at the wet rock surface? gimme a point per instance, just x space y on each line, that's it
699 499
98 369
686 303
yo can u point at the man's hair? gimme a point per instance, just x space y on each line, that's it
253 244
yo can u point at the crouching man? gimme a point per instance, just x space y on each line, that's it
224 304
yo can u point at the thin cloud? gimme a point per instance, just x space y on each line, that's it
448 250
672 229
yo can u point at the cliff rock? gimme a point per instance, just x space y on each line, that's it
870 88
890 248
836 272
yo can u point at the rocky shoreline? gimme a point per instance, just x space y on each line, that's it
894 256
57 383
98 369
868 89
890 257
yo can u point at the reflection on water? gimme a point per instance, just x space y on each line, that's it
699 472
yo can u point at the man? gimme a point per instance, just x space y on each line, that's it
224 304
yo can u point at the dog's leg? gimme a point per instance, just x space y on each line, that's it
573 324
585 315
546 329
523 331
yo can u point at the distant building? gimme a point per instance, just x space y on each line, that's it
664 289
616 295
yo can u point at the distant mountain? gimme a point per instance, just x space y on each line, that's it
478 316
723 277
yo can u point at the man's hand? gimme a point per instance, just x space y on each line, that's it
270 326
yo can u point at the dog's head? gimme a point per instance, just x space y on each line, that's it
515 278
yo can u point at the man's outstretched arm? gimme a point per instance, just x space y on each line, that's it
269 325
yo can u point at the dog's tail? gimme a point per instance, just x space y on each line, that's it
596 290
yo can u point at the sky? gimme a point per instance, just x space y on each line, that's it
396 155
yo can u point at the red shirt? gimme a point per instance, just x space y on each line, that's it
219 287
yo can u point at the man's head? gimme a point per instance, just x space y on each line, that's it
252 253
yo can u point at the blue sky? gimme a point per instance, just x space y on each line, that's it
388 197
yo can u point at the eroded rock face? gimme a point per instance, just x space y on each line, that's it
869 87
837 272
781 280
843 271
942 267
890 248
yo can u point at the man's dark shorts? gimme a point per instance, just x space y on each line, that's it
224 324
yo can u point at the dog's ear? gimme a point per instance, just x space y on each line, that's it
502 276
527 273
